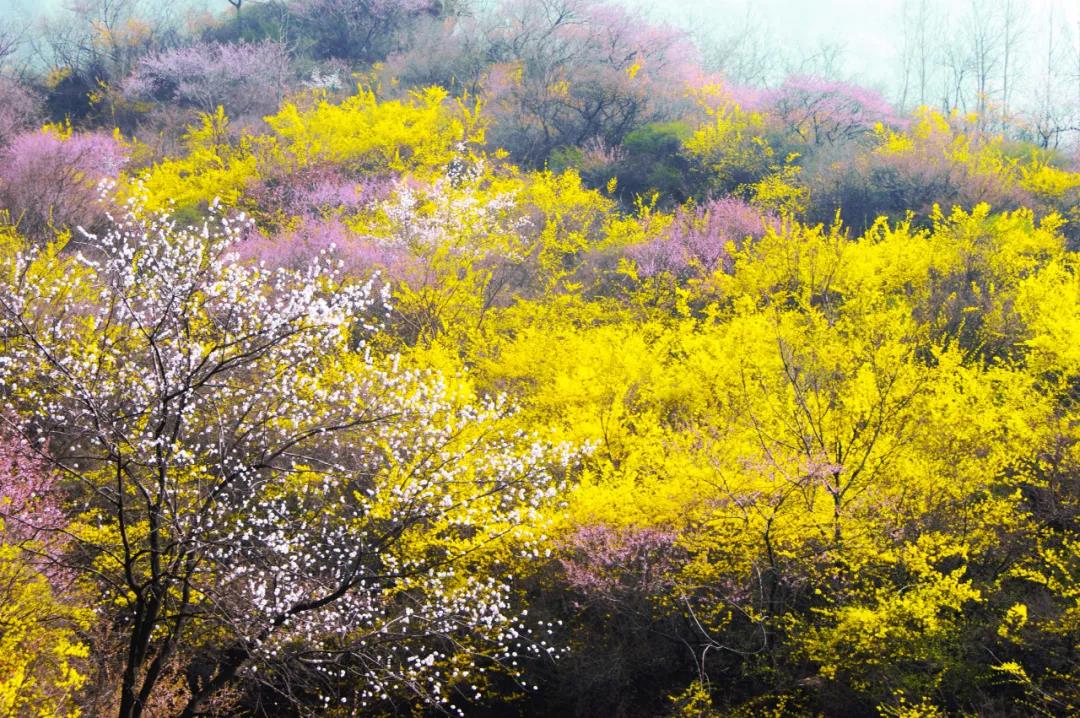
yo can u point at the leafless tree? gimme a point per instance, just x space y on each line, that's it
916 53
1013 30
107 35
825 59
570 71
1053 110
740 50
11 39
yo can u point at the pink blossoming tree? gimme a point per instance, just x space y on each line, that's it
701 239
243 78
827 112
49 178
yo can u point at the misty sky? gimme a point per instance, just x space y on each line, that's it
861 25
868 30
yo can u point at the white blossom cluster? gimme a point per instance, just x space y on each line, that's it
452 212
326 512
453 484
329 81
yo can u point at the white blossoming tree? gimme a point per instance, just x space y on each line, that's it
263 496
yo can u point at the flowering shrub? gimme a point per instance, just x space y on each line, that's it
41 655
423 132
825 112
244 79
42 660
612 565
316 191
732 148
701 240
937 160
30 504
49 178
274 475
312 239
683 408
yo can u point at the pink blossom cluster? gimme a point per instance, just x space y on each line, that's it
612 563
48 180
700 239
19 109
296 248
319 192
827 112
29 505
243 78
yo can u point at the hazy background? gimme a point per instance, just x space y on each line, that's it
868 37
856 40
